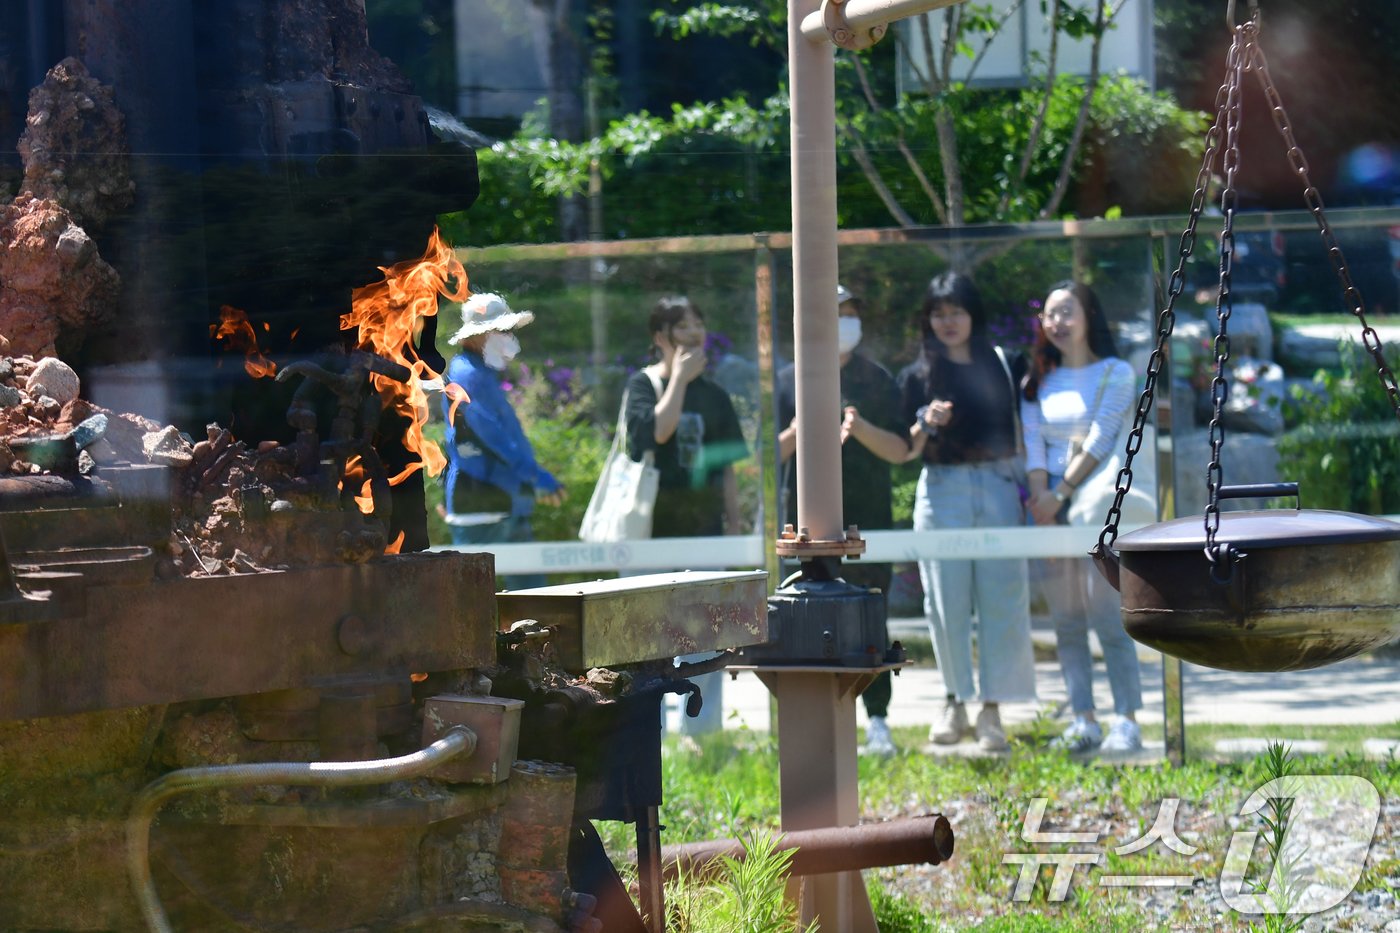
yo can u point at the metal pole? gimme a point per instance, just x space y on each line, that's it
812 85
773 517
597 281
1173 686
819 783
649 884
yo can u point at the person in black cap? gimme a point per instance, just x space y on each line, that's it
872 437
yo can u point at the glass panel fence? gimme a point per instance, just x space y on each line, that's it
593 303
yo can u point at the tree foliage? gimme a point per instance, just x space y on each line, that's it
945 153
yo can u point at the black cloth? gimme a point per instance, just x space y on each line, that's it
865 478
983 426
708 438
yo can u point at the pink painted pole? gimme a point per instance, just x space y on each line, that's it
812 83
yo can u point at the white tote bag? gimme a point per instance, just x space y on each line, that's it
624 498
1095 494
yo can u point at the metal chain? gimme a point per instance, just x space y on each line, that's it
1245 54
1166 320
1254 58
1224 300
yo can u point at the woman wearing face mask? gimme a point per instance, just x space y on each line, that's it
493 480
690 424
1075 399
960 400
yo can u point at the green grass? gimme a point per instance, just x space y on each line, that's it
728 786
1341 740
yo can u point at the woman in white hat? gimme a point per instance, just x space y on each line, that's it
493 480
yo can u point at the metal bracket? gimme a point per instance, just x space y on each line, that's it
841 33
798 543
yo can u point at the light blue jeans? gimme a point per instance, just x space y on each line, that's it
1079 596
977 495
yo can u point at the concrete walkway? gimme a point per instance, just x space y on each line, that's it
1360 691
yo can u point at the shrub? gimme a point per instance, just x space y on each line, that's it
1345 454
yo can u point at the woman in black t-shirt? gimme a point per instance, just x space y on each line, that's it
690 424
689 421
960 399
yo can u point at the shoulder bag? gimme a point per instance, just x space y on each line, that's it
624 498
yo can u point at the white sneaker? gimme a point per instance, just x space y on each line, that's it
1123 736
1082 735
877 738
951 725
991 737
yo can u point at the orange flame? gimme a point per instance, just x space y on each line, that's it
393 546
237 334
458 395
355 474
389 316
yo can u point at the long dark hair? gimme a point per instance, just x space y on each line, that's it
951 288
1045 358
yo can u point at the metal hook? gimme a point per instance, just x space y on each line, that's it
1230 23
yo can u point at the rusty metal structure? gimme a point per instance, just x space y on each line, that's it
327 734
310 734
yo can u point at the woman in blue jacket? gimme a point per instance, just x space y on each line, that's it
493 480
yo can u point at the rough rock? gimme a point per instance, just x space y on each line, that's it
1249 458
167 446
126 434
74 146
9 396
54 378
52 278
1250 331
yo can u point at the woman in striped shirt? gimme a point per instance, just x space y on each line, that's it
1074 401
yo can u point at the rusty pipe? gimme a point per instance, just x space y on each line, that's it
865 14
459 740
912 841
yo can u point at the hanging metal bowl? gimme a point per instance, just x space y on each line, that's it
1305 587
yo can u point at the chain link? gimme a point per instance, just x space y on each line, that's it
1224 301
1166 320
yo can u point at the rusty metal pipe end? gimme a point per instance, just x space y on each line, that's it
926 839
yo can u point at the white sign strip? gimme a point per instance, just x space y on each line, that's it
728 552
711 553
